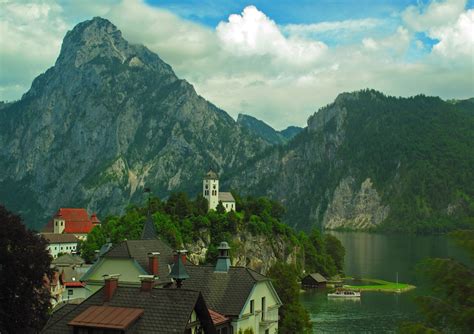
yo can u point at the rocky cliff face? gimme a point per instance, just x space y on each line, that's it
359 208
368 161
108 118
254 251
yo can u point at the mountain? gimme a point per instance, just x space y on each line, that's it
370 161
108 119
291 132
265 131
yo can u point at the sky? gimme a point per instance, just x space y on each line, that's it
279 61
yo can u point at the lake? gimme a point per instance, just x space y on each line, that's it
380 256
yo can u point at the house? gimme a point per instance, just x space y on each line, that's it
240 294
210 191
61 243
71 269
72 221
117 308
55 286
313 281
131 258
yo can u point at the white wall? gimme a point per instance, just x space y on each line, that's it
252 320
67 247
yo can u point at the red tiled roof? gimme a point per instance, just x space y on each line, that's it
217 318
94 219
77 221
74 284
107 317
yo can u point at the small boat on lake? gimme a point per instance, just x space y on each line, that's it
343 293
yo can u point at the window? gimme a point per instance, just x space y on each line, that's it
251 306
214 186
263 308
207 187
267 331
70 292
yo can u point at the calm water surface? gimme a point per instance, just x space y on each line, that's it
378 256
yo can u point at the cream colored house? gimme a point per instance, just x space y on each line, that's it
61 243
210 191
241 294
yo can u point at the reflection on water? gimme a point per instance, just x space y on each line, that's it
377 256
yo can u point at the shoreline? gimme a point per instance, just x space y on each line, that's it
379 285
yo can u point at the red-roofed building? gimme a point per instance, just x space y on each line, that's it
72 221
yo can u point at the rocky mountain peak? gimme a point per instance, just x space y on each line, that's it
90 39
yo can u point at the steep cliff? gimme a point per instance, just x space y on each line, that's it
106 119
368 161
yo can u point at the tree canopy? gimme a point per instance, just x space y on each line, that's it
24 262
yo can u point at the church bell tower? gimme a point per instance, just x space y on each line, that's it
210 189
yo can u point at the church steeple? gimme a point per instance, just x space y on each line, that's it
210 189
149 231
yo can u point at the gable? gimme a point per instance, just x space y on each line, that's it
261 289
127 268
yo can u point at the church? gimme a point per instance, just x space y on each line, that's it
210 191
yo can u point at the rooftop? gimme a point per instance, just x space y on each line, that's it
54 238
225 293
164 311
107 317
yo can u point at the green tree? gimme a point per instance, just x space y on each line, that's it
24 263
335 249
294 318
450 306
220 208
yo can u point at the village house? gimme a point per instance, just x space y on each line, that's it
74 221
147 256
313 281
210 191
117 308
71 268
61 243
241 294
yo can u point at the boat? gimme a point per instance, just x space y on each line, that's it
343 293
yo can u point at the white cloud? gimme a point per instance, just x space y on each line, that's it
437 13
249 63
253 34
315 28
456 40
30 37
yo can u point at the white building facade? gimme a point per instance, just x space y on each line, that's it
210 191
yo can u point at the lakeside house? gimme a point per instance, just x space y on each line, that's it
241 294
314 281
210 191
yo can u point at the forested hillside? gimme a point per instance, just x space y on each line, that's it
370 161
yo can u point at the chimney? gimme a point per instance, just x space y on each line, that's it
111 284
178 271
148 282
153 265
182 253
223 261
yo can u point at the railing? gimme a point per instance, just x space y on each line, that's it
269 316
